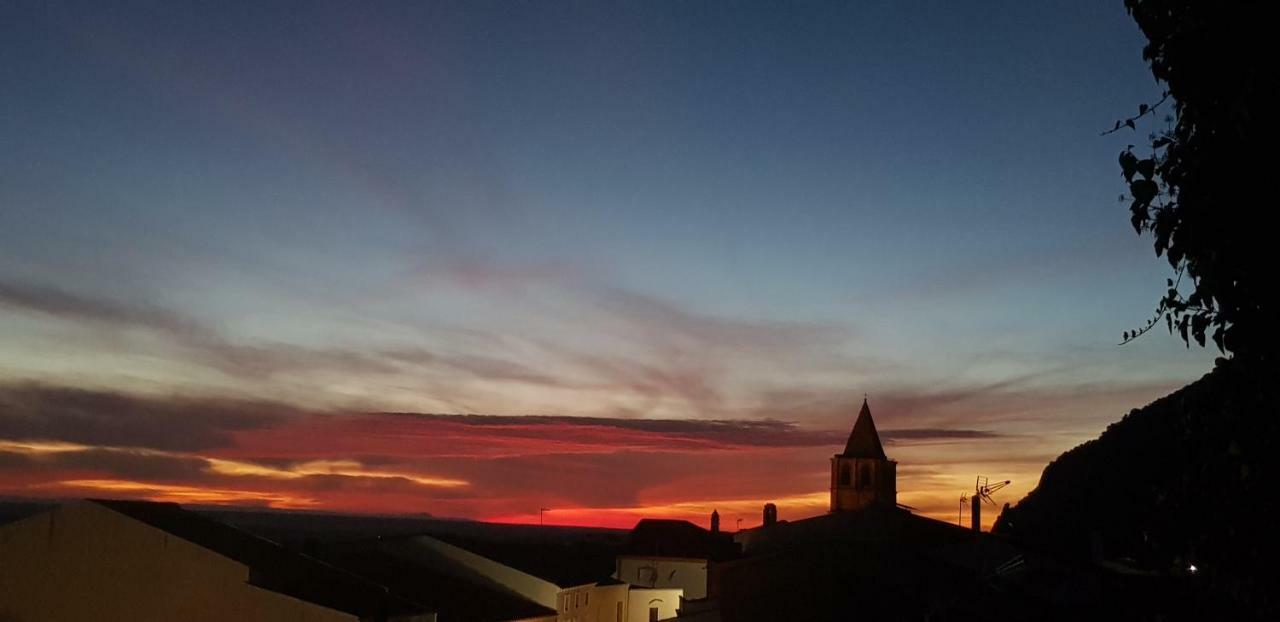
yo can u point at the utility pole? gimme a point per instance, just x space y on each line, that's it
540 511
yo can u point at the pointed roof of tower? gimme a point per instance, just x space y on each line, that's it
864 442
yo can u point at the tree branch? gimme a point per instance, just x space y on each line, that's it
1142 112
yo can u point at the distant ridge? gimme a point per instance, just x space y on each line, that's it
1190 479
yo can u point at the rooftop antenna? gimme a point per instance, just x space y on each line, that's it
964 504
982 491
540 512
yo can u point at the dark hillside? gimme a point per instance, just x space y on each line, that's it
1190 479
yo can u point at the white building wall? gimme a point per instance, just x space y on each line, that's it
641 600
574 604
690 575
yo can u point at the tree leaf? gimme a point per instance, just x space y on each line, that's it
1128 165
1143 191
1146 168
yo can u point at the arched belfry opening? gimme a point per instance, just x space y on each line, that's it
862 476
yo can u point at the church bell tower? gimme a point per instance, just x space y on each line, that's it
861 475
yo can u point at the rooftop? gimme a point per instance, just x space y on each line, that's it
271 566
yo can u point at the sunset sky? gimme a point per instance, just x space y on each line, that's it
475 259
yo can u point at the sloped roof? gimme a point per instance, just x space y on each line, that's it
863 441
899 529
271 566
451 597
565 563
677 538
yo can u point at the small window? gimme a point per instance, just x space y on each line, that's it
653 614
647 575
586 598
618 611
844 474
864 478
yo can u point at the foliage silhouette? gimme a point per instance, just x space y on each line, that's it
1182 481
1197 184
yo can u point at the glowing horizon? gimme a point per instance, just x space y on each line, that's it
589 471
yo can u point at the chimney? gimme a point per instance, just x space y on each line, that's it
770 515
715 521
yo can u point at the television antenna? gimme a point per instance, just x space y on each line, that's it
964 503
982 491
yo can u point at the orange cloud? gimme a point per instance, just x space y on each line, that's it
183 494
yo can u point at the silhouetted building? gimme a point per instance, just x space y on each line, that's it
861 475
868 558
770 515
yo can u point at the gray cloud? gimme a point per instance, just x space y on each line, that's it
69 306
678 352
658 317
935 434
104 418
690 355
205 346
202 343
110 463
726 432
486 367
39 412
132 465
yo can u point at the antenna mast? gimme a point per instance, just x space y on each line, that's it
982 491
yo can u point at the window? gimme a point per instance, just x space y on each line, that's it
618 612
586 598
647 575
864 478
844 474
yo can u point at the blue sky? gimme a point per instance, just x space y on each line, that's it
660 209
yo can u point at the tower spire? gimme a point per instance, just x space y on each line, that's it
864 441
862 476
